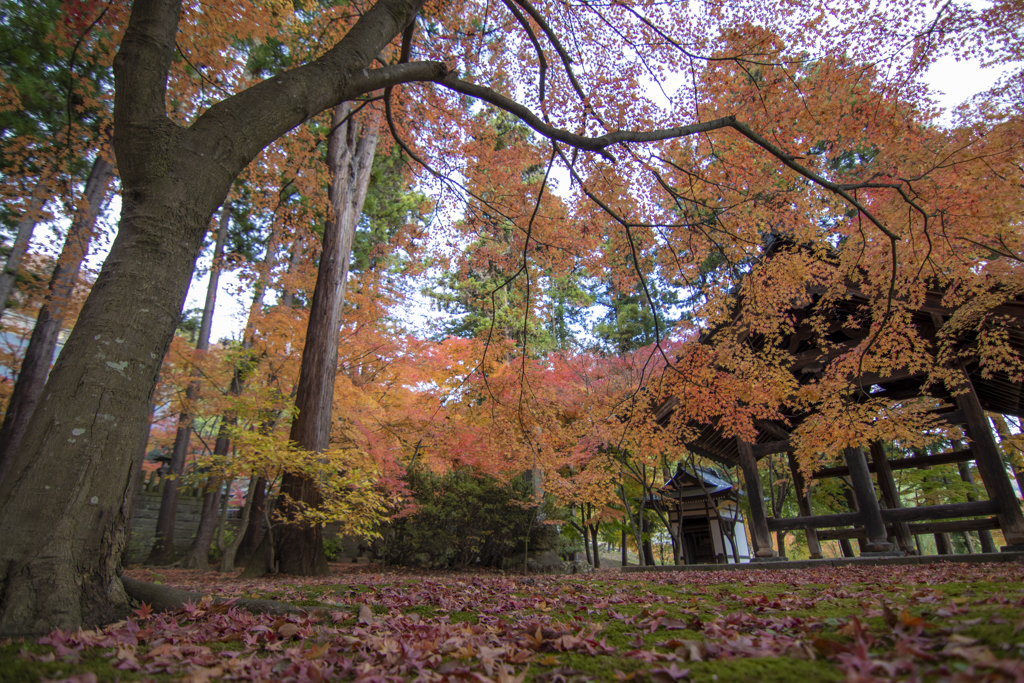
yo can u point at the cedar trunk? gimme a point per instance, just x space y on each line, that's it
21 239
299 547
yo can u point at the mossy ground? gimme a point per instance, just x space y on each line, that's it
931 622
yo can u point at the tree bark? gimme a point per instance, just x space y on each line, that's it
350 151
163 541
21 239
64 502
39 355
254 531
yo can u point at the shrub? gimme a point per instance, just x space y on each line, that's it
463 518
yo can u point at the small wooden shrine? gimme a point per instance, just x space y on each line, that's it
704 508
884 527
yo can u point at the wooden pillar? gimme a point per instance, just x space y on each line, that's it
944 544
759 533
984 535
803 501
891 496
871 513
990 464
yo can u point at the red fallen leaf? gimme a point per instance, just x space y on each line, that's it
144 612
625 677
910 621
852 628
365 615
288 631
890 617
829 648
163 651
674 624
507 675
668 675
318 651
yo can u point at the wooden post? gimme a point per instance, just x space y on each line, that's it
877 541
891 496
984 535
990 464
944 544
803 501
759 533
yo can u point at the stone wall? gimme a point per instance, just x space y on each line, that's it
147 508
190 510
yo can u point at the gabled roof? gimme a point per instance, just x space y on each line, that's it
694 484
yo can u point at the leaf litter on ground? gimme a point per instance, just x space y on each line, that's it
956 622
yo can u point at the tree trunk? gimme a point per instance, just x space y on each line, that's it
21 239
625 552
64 501
254 532
597 556
228 554
163 542
136 484
39 354
299 547
585 530
648 550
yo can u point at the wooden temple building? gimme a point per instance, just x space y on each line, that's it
705 509
881 524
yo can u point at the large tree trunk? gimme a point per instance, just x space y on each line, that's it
21 239
39 354
299 547
64 501
163 542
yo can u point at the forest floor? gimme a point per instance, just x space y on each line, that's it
948 622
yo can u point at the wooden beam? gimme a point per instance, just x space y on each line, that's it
918 529
759 532
814 521
902 464
947 511
891 495
990 464
867 501
761 450
982 524
803 502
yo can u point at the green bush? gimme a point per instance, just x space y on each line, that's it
463 518
333 548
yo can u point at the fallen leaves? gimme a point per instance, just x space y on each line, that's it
895 623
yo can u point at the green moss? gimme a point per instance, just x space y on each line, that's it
17 669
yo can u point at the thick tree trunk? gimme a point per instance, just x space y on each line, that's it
597 556
299 547
136 484
163 542
39 354
21 239
64 502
